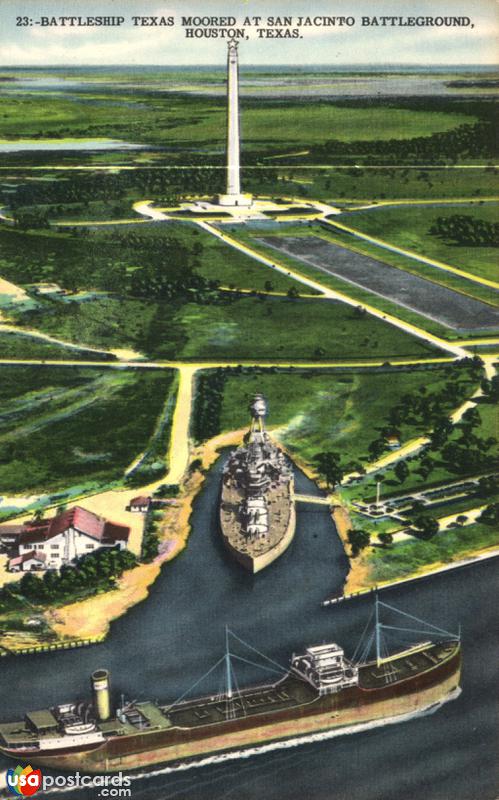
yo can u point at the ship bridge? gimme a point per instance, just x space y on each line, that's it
326 668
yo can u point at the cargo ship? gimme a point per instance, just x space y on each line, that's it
321 691
257 509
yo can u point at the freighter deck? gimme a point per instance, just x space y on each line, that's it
407 666
290 693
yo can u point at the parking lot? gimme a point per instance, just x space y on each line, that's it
446 306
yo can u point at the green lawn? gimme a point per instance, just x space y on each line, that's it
71 426
218 261
326 410
281 328
402 559
409 228
104 322
14 345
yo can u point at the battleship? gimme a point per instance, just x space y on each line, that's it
257 510
321 693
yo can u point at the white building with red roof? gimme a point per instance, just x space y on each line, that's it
141 504
51 543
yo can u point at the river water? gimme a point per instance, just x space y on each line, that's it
163 645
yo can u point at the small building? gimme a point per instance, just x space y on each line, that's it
48 289
51 543
28 561
140 504
393 441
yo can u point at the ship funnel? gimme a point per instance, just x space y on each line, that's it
101 694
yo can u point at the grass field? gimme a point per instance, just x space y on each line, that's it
108 322
386 564
409 228
198 120
19 346
441 472
362 185
324 410
69 426
219 261
281 328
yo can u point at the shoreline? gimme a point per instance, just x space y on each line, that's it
88 621
467 558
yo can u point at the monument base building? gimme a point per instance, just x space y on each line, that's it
232 200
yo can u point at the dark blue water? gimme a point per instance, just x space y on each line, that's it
163 645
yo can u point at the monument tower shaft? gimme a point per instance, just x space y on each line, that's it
233 166
233 196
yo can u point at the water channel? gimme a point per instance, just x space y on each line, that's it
164 644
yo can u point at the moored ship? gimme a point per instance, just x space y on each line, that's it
322 691
257 510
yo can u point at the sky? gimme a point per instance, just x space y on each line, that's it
34 44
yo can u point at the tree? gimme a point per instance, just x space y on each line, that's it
358 540
293 292
490 515
376 448
426 527
401 471
441 432
330 469
385 538
417 507
487 486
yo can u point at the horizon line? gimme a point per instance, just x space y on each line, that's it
265 64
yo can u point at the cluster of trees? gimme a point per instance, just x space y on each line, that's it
83 188
470 451
358 540
490 515
490 390
425 527
96 572
208 404
30 218
427 411
150 540
465 230
330 468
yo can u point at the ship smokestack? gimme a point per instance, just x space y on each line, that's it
101 694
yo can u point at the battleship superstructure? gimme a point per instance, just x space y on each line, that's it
257 510
321 692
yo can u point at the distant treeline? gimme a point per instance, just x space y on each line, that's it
78 188
467 141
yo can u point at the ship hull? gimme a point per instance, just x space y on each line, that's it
348 710
255 563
